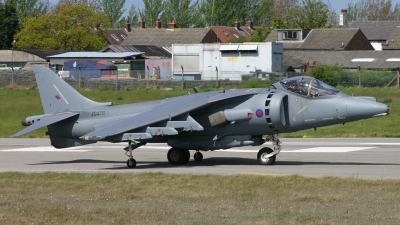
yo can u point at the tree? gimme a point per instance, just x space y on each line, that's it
8 24
113 10
372 10
225 13
310 14
29 8
94 4
133 15
153 10
182 11
260 34
281 8
263 13
75 28
352 12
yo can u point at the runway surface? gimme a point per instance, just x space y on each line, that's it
339 157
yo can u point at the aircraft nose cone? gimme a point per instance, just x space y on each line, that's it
364 108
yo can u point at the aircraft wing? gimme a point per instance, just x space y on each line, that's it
165 111
45 121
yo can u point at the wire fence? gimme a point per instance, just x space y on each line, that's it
363 78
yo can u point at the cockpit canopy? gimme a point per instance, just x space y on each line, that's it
308 86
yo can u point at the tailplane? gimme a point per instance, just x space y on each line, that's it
57 95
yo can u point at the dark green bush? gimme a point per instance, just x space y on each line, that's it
256 83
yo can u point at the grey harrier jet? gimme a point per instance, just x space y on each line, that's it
200 121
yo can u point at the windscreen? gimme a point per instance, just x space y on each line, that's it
308 86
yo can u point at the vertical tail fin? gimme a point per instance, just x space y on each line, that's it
57 95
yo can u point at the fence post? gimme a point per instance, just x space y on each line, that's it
116 82
79 80
398 74
147 80
183 80
359 75
217 85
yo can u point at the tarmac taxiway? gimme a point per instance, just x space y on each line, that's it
372 158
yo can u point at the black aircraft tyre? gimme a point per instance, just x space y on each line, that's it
177 156
131 163
186 157
198 156
264 160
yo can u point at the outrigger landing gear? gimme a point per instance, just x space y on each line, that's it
198 156
131 163
267 156
178 156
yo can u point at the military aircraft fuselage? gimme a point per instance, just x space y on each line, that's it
200 121
266 111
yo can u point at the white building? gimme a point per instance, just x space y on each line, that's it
227 61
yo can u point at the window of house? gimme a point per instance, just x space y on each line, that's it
289 35
115 37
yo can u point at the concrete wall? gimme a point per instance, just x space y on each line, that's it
26 78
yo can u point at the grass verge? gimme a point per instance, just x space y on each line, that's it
155 198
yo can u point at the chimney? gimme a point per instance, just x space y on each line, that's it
343 17
250 24
237 24
127 26
171 24
142 24
158 23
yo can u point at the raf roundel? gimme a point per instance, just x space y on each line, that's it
259 113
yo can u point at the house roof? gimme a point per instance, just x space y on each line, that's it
116 36
225 34
348 59
97 55
44 53
375 30
167 37
393 41
149 50
332 38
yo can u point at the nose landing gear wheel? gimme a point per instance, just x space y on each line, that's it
131 163
262 159
198 156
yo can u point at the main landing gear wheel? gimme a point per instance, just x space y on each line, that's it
187 156
131 163
198 156
262 159
178 156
